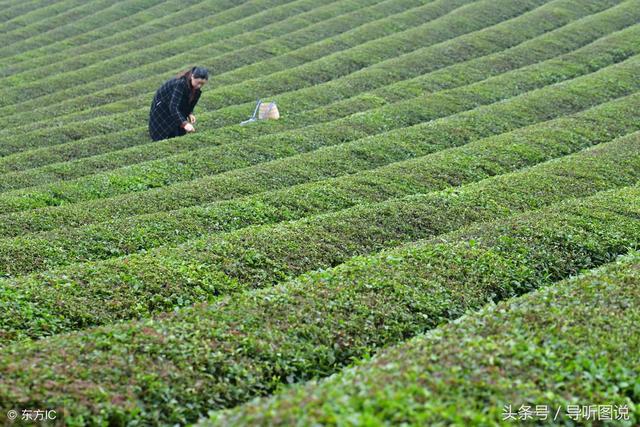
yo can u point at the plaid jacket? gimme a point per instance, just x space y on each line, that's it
170 108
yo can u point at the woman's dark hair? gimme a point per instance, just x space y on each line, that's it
200 73
196 72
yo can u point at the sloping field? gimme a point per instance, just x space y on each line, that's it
442 174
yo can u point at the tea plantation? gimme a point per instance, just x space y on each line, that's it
442 227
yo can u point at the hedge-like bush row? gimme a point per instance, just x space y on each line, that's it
247 106
600 19
542 104
249 28
270 48
237 118
174 368
144 25
332 161
100 127
472 162
303 100
546 46
162 279
97 38
221 13
622 43
487 367
45 19
51 137
293 18
616 117
575 35
159 23
18 10
74 21
301 76
244 112
105 152
613 26
122 84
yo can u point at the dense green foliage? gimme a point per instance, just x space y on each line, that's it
432 157
311 326
504 355
541 104
475 161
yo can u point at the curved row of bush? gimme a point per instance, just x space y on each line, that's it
106 125
173 368
386 73
491 367
600 52
153 25
285 20
13 14
274 46
162 279
158 19
472 162
541 104
389 147
243 27
76 20
130 22
546 46
323 70
411 64
246 108
173 16
42 19
131 105
616 117
83 94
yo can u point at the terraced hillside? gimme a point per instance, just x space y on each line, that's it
441 173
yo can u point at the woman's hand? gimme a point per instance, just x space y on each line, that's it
191 118
189 128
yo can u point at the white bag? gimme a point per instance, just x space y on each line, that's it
264 111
